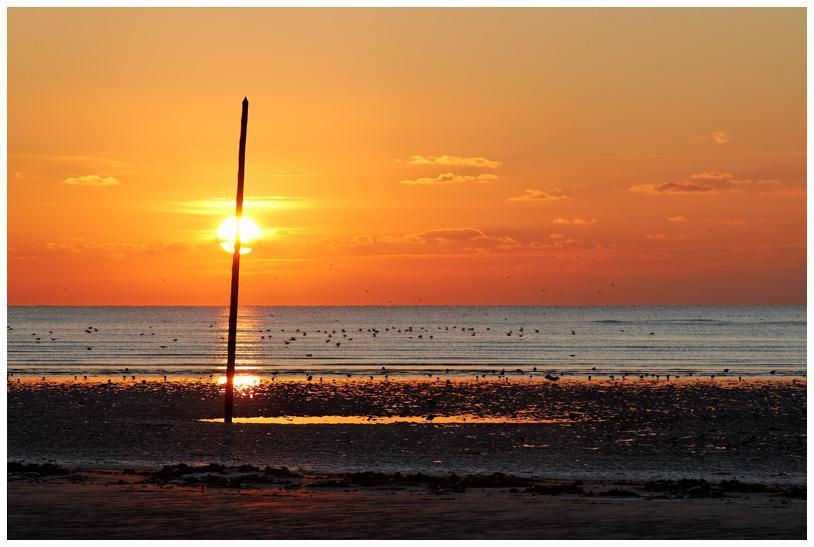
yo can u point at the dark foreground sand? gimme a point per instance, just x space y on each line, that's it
127 505
690 459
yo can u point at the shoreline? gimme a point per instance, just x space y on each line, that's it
301 376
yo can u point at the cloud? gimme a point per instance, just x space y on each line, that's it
457 161
450 239
540 195
74 245
677 218
450 178
718 137
446 235
578 221
91 180
672 188
656 236
557 241
226 206
710 182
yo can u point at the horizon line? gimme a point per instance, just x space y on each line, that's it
408 305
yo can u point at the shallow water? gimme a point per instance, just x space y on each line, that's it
752 430
383 420
409 341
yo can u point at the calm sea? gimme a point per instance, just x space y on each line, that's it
191 341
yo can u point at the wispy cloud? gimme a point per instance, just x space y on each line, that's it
446 235
456 161
223 206
91 180
75 245
578 221
672 188
540 195
450 178
718 137
710 182
556 241
677 218
446 240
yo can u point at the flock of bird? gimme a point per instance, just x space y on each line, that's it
337 337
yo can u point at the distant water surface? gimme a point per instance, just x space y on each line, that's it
409 341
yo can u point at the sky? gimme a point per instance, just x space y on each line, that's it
408 156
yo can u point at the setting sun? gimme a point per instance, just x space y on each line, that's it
249 231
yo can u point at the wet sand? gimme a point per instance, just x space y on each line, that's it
130 505
620 434
617 430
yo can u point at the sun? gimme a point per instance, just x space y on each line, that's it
249 231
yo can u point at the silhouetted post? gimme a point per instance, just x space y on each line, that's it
232 344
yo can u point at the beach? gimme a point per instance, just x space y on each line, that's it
740 444
119 505
369 422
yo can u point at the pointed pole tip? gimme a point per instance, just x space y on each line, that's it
245 100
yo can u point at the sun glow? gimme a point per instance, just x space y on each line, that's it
227 231
242 381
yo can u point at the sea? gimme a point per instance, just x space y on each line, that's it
424 341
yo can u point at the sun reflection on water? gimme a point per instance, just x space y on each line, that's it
244 383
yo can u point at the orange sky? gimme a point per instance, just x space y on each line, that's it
424 156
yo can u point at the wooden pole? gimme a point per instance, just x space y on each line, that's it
232 345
